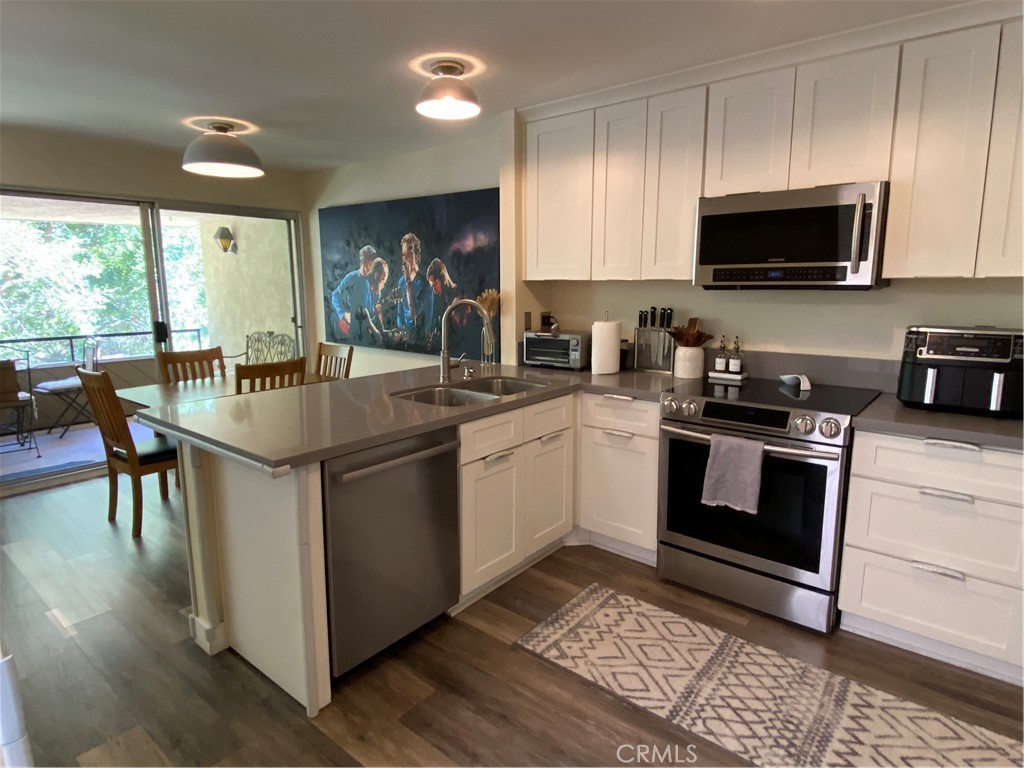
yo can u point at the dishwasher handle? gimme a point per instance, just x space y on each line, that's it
401 461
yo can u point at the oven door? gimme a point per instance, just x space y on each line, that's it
793 536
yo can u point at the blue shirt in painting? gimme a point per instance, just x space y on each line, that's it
418 321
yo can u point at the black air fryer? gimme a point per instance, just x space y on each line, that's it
963 370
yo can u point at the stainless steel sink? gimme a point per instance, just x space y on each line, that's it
499 385
447 396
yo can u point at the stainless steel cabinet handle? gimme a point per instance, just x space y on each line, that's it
953 444
496 456
552 436
620 397
401 461
938 570
858 218
777 450
617 433
950 495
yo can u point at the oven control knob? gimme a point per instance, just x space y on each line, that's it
688 408
804 424
830 428
670 405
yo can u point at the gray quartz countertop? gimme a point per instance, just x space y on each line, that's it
314 422
887 414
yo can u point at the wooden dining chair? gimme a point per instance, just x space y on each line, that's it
263 376
333 360
193 365
123 453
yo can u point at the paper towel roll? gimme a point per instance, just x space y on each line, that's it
604 351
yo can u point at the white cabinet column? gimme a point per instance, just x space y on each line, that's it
940 150
999 245
620 132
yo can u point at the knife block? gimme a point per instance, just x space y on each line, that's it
654 349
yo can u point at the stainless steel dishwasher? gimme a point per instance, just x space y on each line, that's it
391 517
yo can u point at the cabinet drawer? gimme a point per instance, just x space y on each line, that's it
485 436
547 417
622 413
971 614
979 537
941 464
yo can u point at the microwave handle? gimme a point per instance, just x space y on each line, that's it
858 219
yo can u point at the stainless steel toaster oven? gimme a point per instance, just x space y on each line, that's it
561 349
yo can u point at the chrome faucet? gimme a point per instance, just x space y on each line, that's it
446 358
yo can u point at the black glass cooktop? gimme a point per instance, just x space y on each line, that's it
821 397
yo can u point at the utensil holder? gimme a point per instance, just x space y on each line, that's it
689 363
654 349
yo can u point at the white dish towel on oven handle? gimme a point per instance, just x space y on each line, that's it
733 476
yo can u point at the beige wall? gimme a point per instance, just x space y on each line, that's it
45 160
250 290
453 168
848 323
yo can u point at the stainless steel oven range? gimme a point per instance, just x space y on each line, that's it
783 560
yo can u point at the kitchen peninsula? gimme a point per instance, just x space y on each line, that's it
254 487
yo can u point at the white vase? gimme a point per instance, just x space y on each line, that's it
688 363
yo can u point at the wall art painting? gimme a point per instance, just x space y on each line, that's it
391 268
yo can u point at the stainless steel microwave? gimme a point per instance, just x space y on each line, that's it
565 349
823 237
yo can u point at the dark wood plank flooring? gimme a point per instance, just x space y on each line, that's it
109 675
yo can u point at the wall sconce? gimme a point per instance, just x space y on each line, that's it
225 240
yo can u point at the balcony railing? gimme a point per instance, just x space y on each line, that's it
67 349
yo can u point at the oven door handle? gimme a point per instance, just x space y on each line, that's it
773 450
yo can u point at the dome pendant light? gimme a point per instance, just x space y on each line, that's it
220 153
446 96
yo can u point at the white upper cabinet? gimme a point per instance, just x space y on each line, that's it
559 197
843 117
673 182
750 122
940 150
620 133
999 245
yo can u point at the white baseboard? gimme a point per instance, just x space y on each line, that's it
580 536
933 649
213 640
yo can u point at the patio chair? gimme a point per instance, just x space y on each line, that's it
268 347
123 453
20 405
192 365
333 360
287 373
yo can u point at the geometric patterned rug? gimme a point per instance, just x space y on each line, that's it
755 702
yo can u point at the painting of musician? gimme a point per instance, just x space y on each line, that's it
392 268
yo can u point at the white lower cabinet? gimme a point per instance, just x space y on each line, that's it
619 485
518 499
493 494
933 546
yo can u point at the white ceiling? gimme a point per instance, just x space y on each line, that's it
329 82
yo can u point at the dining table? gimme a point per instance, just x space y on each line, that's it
157 395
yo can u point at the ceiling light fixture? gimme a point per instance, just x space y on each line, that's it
446 95
219 152
225 240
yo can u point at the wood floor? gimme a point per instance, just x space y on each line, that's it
109 675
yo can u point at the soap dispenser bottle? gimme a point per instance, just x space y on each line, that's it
736 359
722 358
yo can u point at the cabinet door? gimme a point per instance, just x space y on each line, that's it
619 486
492 491
843 117
673 182
549 489
559 197
999 245
940 149
750 122
620 132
